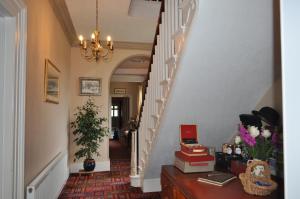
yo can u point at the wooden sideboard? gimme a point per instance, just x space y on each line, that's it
178 185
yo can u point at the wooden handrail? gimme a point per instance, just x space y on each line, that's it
162 9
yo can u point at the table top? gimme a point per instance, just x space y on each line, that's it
193 189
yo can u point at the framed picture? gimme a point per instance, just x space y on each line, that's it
51 82
90 86
120 91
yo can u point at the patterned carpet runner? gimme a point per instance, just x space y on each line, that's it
113 184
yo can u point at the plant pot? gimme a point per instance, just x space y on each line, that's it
89 164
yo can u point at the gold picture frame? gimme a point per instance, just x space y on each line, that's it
51 82
90 86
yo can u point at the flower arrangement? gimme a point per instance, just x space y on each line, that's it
257 144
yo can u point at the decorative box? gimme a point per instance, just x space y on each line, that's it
189 140
190 164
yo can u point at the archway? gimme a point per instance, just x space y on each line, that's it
126 87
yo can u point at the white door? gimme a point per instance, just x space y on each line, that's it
12 97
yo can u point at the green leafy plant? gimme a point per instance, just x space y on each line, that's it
88 130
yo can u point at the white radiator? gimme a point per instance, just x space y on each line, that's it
49 183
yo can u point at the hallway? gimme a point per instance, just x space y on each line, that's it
113 184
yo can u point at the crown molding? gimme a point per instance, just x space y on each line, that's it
62 13
132 45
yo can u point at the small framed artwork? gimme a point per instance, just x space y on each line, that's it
51 82
121 91
90 86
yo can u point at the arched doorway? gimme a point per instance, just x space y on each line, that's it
126 88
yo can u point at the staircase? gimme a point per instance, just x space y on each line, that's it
173 23
212 60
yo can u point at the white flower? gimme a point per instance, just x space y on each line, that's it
237 139
253 130
266 133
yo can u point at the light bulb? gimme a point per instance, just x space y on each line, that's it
93 36
108 38
80 37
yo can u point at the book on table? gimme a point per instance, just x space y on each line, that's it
217 178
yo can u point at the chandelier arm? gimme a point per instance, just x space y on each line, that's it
97 15
90 54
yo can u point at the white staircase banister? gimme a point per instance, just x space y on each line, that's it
163 64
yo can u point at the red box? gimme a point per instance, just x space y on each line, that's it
193 157
188 158
189 140
190 164
188 131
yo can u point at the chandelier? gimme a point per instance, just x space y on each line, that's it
95 49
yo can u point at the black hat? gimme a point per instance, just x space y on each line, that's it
268 115
250 120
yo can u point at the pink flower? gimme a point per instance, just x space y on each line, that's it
246 137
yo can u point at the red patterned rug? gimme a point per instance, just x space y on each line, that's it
113 184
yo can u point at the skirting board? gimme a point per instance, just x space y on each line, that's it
151 185
100 166
135 181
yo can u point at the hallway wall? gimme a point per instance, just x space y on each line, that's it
46 123
82 68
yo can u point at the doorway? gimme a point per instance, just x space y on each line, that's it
125 90
119 115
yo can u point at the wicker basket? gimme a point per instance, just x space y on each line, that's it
250 180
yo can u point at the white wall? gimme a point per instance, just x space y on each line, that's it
104 70
290 23
226 68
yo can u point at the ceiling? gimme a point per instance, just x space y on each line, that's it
124 20
130 23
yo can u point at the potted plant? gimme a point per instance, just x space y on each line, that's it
89 133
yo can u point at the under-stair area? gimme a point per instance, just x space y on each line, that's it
211 61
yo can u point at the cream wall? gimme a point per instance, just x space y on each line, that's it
46 123
132 91
82 68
